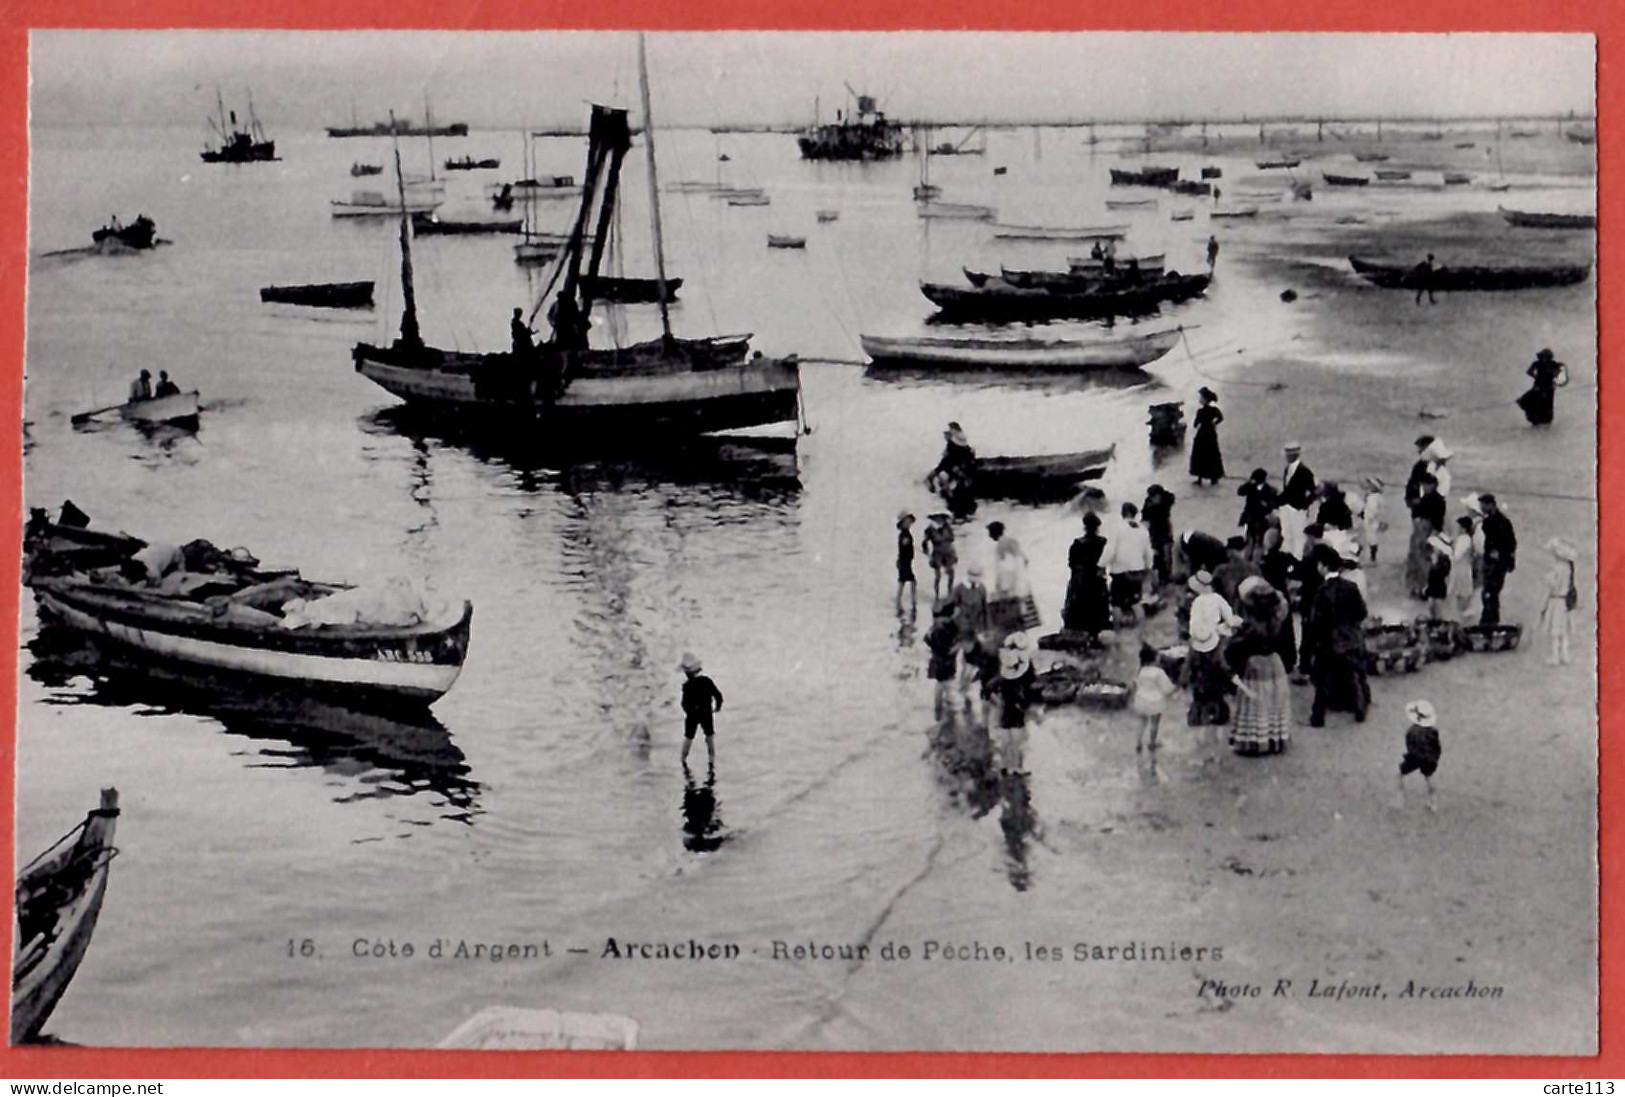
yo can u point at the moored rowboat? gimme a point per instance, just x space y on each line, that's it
179 409
322 295
1397 276
1549 220
58 899
976 352
1000 301
1048 232
228 616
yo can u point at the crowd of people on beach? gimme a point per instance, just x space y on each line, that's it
1284 600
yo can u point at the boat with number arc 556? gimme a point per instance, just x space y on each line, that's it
1472 277
1530 220
221 612
58 901
323 295
974 352
998 301
579 395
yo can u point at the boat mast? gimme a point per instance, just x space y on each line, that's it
654 188
254 130
410 336
220 105
428 123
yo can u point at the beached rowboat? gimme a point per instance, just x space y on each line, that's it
58 899
955 211
979 352
1344 180
1145 177
1397 276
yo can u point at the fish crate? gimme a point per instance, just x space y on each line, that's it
1060 684
1167 423
1491 637
1442 639
1104 693
1394 649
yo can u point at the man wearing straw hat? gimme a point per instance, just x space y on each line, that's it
1297 493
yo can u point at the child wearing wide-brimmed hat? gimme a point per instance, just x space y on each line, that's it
1561 598
701 699
1422 749
1371 514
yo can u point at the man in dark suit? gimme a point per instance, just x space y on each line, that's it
1500 557
1335 641
1297 493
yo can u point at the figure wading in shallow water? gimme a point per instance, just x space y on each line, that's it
701 700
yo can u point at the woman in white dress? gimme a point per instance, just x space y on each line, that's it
1462 589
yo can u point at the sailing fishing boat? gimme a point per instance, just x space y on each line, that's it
663 388
237 146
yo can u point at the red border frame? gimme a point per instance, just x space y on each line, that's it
1604 18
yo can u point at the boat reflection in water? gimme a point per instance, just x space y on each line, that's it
761 467
379 755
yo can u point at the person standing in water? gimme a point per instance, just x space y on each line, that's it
1212 247
1548 375
701 701
1423 275
905 558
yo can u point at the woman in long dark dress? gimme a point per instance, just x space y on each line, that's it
1087 609
1207 463
1548 374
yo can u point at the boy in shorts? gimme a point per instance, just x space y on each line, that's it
701 698
1422 748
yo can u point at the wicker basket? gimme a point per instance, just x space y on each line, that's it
1492 637
1172 660
1104 694
1405 660
1060 684
1441 639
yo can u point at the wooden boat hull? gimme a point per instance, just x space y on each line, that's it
1089 265
323 295
1044 476
1147 177
1231 214
1044 232
1268 165
787 241
387 665
636 395
955 211
1002 301
1392 175
415 203
1393 276
1345 180
1549 220
258 152
85 865
1022 354
424 225
629 291
179 409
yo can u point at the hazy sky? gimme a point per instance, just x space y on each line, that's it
306 79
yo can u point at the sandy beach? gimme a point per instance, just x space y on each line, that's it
1303 862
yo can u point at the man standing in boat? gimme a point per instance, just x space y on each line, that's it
166 387
141 387
523 345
